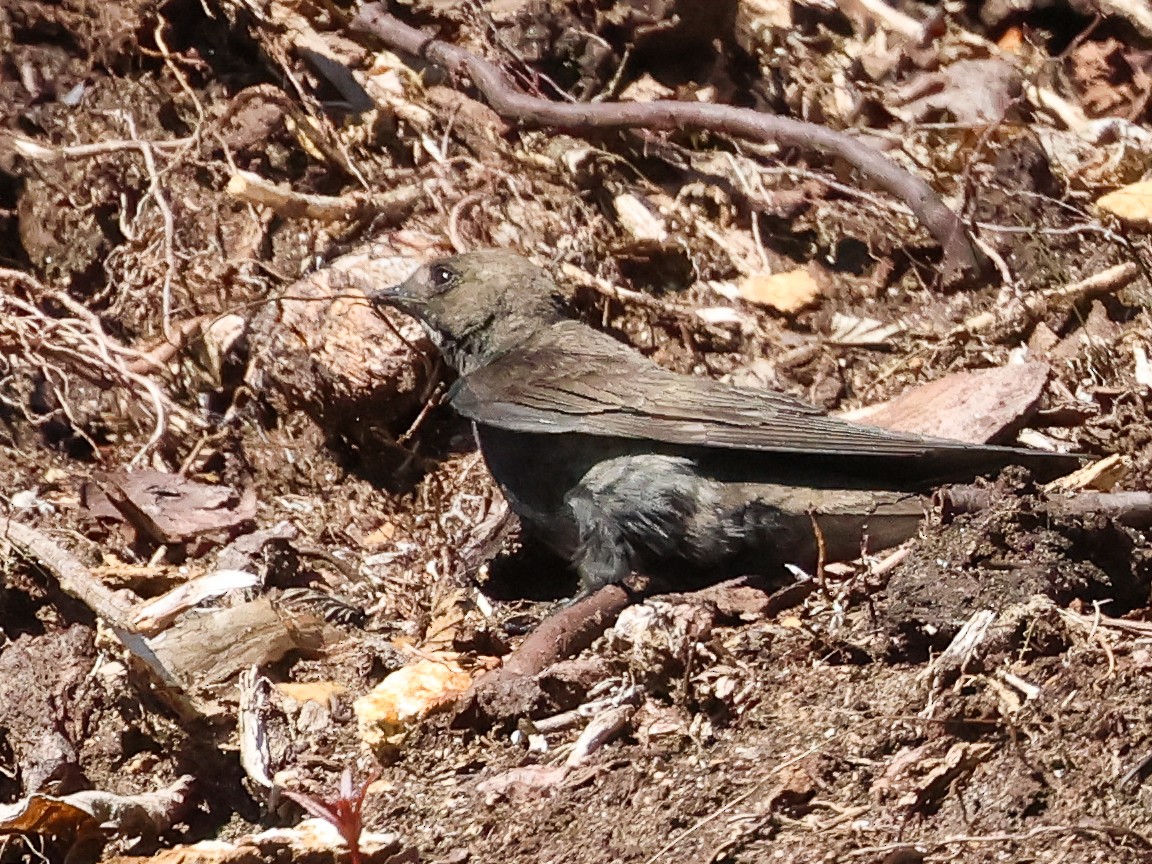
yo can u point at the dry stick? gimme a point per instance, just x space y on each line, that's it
156 192
31 150
560 636
961 257
74 578
454 220
78 582
1133 509
251 188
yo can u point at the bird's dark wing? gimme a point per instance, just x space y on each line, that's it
575 379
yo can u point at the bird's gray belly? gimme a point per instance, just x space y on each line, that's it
537 473
615 505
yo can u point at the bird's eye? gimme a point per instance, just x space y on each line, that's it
441 276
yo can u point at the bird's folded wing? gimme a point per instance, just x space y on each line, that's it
590 385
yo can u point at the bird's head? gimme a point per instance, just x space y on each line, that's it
477 305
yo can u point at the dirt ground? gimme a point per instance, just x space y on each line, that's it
194 196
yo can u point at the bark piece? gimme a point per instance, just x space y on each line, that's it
169 509
981 407
207 649
321 349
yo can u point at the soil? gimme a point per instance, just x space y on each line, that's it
836 726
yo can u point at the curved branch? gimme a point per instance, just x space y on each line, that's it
961 257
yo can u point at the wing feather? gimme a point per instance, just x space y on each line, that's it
557 383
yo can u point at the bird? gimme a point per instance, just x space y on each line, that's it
622 466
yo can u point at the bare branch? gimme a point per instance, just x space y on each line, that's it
961 257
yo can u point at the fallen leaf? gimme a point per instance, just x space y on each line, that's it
1131 204
81 812
787 293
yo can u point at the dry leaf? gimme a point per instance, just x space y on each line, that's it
1132 204
81 812
787 293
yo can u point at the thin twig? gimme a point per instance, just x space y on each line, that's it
78 582
32 150
821 553
156 192
83 342
390 206
454 220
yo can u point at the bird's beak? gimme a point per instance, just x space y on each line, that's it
394 296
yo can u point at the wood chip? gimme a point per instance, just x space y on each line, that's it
640 222
1102 476
405 697
206 649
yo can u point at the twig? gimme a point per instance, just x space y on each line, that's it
1105 282
74 578
77 581
454 220
960 255
562 635
32 150
92 354
431 402
251 188
821 576
765 264
156 192
181 79
1133 509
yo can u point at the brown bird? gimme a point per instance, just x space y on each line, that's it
621 465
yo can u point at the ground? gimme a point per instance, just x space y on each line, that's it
194 198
